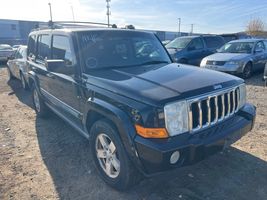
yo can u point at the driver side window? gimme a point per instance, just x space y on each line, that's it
196 44
260 46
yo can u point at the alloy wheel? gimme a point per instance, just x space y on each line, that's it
107 155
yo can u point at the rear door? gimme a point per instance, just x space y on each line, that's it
213 43
64 83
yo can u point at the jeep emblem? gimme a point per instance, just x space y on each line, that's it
217 87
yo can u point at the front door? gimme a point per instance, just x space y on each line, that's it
196 51
64 84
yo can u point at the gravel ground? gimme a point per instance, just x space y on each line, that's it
47 159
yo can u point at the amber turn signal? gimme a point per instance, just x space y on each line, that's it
151 132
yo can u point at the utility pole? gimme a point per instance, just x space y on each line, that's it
192 29
179 30
72 13
49 4
108 10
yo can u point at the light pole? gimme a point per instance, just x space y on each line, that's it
72 13
192 29
108 10
49 4
179 30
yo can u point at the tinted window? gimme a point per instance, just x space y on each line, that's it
61 49
31 45
43 47
213 42
197 44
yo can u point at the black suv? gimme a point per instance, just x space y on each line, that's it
142 113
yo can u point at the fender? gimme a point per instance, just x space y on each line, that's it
33 77
249 60
122 122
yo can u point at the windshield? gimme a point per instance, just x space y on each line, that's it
237 47
109 49
178 43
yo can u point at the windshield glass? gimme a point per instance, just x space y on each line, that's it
178 43
104 49
237 47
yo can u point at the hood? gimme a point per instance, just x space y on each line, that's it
227 56
159 84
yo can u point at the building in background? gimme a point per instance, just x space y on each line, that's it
15 31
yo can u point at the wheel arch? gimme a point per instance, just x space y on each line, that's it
98 109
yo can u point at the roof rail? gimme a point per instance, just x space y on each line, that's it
70 24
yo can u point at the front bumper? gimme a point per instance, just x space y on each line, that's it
234 69
155 154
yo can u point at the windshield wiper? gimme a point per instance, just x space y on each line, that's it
153 62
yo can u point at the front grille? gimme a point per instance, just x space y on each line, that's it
212 62
210 109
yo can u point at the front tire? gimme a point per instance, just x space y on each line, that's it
110 157
39 106
247 71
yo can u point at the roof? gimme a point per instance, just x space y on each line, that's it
246 40
79 29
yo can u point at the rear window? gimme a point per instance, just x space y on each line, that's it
214 42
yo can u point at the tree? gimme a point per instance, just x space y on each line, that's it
255 27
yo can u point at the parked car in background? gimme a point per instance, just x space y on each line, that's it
191 49
265 75
5 52
165 42
17 66
239 57
15 47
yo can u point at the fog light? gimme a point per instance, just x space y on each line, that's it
174 157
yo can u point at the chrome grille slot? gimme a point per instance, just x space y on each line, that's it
209 109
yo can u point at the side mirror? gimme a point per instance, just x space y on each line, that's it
54 65
258 50
191 48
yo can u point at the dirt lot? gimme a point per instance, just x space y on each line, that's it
47 159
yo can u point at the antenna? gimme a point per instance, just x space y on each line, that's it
49 4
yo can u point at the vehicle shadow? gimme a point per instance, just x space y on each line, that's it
233 174
23 95
256 79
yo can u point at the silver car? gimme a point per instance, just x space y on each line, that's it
17 66
238 57
5 52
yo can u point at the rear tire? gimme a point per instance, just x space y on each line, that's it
38 103
247 71
110 157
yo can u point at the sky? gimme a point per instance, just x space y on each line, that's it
208 16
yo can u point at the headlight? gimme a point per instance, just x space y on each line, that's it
243 94
233 62
176 118
203 62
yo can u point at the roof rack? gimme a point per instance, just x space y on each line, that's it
71 24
